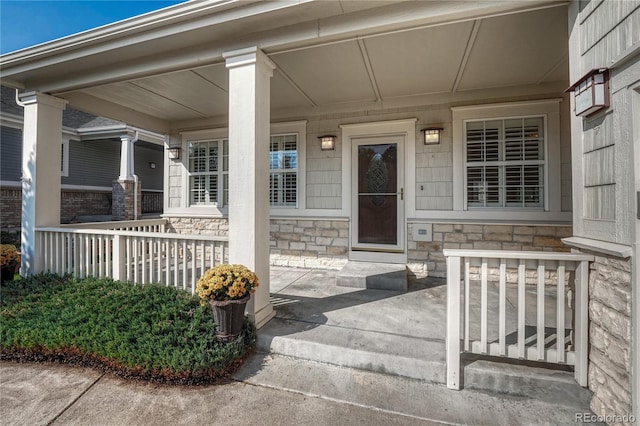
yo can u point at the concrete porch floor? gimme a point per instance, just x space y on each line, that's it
350 332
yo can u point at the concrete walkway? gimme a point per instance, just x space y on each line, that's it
359 335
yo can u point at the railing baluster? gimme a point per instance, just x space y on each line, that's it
176 259
94 254
540 326
203 258
467 303
560 350
453 323
521 308
143 260
483 307
193 267
101 254
185 259
135 243
212 262
109 256
80 256
502 295
167 260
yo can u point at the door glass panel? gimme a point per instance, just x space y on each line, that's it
377 194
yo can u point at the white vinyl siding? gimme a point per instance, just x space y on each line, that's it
208 173
283 165
505 163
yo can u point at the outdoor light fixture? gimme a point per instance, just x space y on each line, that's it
432 135
152 165
327 142
591 92
174 152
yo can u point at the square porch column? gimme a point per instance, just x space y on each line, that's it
126 196
250 72
41 159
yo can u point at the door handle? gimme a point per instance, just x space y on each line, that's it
401 194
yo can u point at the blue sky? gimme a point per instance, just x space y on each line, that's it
25 23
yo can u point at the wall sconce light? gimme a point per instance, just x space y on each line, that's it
327 142
174 152
152 165
432 135
591 92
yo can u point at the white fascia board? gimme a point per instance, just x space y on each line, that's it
160 24
102 132
115 131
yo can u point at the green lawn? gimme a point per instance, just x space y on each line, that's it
150 332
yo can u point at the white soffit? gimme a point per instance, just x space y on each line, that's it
517 49
140 99
420 61
329 74
186 88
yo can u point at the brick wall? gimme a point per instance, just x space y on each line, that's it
123 198
426 258
73 203
83 203
610 336
10 207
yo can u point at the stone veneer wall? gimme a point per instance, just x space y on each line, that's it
294 242
199 226
426 258
610 337
309 243
324 243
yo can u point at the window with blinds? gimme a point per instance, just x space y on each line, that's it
505 163
209 172
283 165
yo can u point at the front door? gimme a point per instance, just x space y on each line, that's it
378 194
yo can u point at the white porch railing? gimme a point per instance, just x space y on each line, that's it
500 327
144 225
141 257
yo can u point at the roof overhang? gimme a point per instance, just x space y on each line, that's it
153 70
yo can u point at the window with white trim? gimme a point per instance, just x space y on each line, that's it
208 172
505 163
283 165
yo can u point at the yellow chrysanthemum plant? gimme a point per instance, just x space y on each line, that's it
226 282
9 255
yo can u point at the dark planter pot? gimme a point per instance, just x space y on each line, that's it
229 317
7 272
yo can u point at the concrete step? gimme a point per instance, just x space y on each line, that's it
426 403
382 276
415 358
347 347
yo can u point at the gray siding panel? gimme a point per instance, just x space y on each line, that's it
10 154
150 178
93 163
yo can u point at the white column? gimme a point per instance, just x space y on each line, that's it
250 72
41 167
126 156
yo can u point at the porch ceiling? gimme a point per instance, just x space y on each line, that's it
513 49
